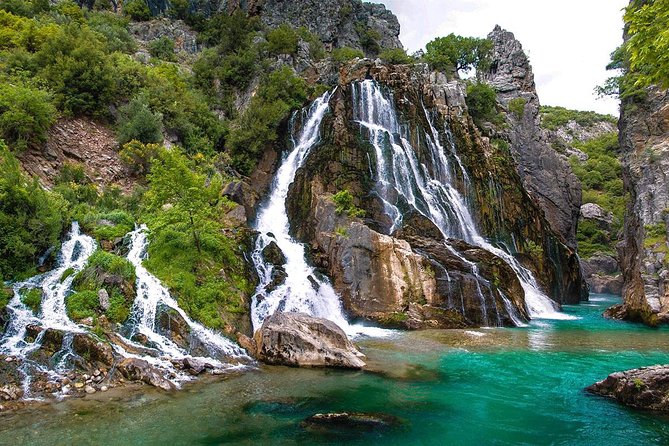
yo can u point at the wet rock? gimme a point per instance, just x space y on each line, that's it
643 388
97 352
349 423
196 366
10 392
103 298
135 369
299 340
89 389
273 254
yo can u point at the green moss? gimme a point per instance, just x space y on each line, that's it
5 296
67 273
341 232
396 319
32 298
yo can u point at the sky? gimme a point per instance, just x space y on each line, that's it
568 41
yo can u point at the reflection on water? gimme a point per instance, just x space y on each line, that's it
507 386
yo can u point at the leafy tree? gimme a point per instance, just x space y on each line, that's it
31 219
647 45
26 114
458 53
137 122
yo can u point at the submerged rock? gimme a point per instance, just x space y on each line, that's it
643 388
135 369
298 340
349 422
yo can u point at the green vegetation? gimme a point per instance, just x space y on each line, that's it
344 54
282 40
32 299
656 237
137 122
517 107
554 117
344 203
138 156
458 53
482 102
647 45
369 38
104 271
31 219
395 56
602 184
137 10
163 49
26 114
189 251
5 295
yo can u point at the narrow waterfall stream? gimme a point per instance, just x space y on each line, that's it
303 290
75 252
402 176
151 294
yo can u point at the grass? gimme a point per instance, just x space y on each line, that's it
32 298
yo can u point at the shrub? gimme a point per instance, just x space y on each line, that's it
136 122
31 219
395 56
32 299
26 114
163 49
282 40
344 54
481 101
82 304
458 53
316 50
344 204
114 28
369 38
517 107
137 10
554 117
138 156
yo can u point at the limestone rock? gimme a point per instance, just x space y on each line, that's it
643 388
546 174
103 298
299 340
592 211
135 369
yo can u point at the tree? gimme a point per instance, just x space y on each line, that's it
185 194
647 46
26 114
31 219
395 56
481 101
137 122
282 40
458 53
163 49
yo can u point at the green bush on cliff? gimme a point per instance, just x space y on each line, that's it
344 54
137 10
32 299
163 49
31 219
344 203
282 40
395 56
554 117
517 107
481 102
137 122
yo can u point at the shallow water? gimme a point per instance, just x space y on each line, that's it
487 386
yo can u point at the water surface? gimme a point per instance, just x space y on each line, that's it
488 386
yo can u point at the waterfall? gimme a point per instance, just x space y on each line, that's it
74 254
303 290
430 192
150 295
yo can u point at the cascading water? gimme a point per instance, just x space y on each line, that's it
151 294
402 176
74 254
303 290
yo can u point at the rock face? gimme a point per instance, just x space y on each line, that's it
594 212
410 278
299 340
184 38
602 274
644 141
546 174
644 388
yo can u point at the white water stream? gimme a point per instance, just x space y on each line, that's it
401 175
303 291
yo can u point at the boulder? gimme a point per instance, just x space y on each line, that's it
600 264
349 423
644 388
299 340
103 298
135 369
594 212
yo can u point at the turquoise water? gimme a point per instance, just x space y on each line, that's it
497 386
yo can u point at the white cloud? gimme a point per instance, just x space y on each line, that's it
568 41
